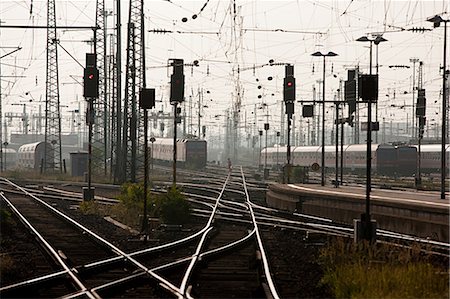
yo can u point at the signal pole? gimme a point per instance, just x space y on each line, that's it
146 101
176 97
90 92
289 100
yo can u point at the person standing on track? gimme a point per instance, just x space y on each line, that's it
229 165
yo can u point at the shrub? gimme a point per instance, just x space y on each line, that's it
172 207
131 204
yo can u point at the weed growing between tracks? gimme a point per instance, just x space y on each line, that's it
170 207
383 271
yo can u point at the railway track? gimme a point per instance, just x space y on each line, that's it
178 264
224 257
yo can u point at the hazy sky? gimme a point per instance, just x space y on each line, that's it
285 31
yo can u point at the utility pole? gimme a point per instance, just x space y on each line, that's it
133 127
52 149
119 164
1 101
100 143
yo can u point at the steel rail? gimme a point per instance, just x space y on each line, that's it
48 247
118 251
260 245
106 261
405 237
175 263
201 243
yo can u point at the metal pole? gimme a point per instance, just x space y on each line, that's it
278 135
265 156
323 127
376 103
342 152
119 156
145 220
288 152
413 60
369 159
444 114
152 154
91 120
260 149
174 182
336 183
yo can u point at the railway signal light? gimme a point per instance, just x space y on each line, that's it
422 121
177 81
289 88
421 103
178 115
308 111
147 98
90 78
368 88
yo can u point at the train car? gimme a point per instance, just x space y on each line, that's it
305 155
31 156
276 156
387 160
355 158
195 153
431 157
406 160
191 153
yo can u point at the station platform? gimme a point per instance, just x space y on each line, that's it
419 213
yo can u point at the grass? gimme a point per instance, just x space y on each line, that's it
382 271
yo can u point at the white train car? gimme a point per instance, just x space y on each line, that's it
31 156
385 159
355 157
430 155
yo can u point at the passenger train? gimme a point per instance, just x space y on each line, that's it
191 153
387 160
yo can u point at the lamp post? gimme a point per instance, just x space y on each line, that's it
376 40
379 39
329 54
366 221
437 20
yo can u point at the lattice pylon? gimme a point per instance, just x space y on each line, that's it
100 136
133 134
129 118
52 154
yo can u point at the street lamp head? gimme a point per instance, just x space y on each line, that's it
363 39
318 53
436 20
379 39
